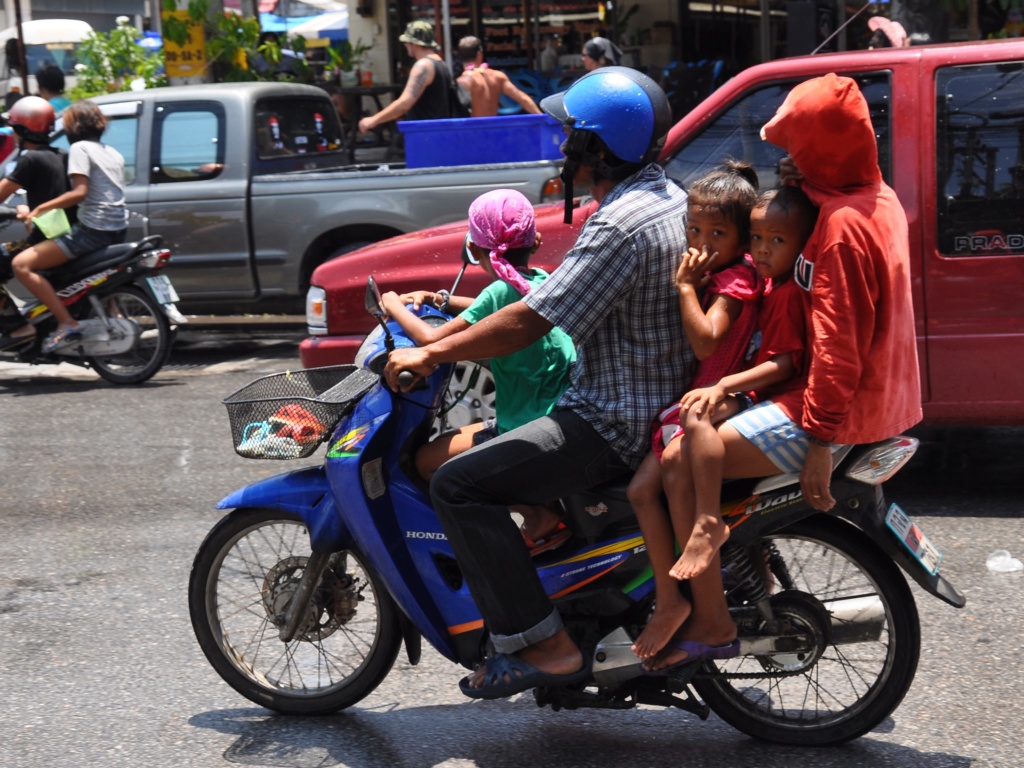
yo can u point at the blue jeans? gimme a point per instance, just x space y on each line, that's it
537 463
82 240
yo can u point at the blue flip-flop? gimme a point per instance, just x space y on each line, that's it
59 337
696 652
520 677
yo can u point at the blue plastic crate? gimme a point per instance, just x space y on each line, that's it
481 140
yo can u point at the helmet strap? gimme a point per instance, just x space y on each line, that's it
568 174
577 152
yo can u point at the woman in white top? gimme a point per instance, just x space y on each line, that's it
97 188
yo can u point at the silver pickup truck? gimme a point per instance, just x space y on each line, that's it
248 185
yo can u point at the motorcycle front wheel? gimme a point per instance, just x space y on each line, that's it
861 669
243 577
152 347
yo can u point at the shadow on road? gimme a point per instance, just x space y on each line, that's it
511 734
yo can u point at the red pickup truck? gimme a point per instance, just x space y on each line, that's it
950 127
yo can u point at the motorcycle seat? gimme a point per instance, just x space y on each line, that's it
104 258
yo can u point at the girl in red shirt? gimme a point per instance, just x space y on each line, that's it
719 310
780 223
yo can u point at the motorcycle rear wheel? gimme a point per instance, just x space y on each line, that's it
852 687
245 573
153 346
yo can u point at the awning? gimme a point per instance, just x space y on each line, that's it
333 26
290 7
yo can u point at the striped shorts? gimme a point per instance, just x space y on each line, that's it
776 435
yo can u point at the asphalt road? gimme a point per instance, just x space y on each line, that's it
108 491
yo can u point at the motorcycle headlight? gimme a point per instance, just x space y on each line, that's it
316 311
372 353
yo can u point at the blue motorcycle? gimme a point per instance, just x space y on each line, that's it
303 595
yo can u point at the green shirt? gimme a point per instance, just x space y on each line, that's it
529 382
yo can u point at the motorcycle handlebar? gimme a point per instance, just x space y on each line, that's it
406 379
7 213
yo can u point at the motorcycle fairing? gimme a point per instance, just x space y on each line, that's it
583 566
401 536
406 567
303 492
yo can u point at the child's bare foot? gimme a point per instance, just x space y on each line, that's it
707 538
684 650
663 624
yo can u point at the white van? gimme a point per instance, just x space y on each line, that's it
47 41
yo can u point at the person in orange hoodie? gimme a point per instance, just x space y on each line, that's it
863 379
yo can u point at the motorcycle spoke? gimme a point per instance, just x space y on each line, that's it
843 674
257 575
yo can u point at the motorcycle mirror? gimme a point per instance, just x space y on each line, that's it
373 305
467 259
467 253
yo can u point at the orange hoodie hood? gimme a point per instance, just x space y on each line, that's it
862 383
832 107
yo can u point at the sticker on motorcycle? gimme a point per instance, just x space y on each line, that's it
913 539
348 444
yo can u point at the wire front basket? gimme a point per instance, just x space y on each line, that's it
288 415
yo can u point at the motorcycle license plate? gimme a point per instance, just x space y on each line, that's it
913 539
162 289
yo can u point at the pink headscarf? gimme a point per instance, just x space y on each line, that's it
892 29
501 220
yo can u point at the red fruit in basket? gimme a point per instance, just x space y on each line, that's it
298 423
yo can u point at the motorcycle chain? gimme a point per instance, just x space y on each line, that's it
748 675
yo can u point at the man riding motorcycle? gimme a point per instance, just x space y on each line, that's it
41 170
615 295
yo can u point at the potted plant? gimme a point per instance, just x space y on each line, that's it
346 59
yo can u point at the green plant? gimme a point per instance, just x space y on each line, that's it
112 61
346 56
233 49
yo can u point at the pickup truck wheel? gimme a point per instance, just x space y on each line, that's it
469 399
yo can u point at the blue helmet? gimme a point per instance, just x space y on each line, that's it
624 107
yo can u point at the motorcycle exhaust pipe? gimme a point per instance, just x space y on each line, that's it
856 620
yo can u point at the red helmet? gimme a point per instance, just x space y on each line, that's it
32 118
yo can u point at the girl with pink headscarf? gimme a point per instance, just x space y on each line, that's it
502 236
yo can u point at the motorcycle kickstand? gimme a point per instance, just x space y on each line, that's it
291 619
677 681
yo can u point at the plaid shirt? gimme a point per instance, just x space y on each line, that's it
615 295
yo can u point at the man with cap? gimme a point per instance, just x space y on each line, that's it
425 96
600 52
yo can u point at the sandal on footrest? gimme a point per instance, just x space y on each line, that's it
60 336
520 677
549 541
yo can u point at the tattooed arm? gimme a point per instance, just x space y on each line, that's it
420 77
